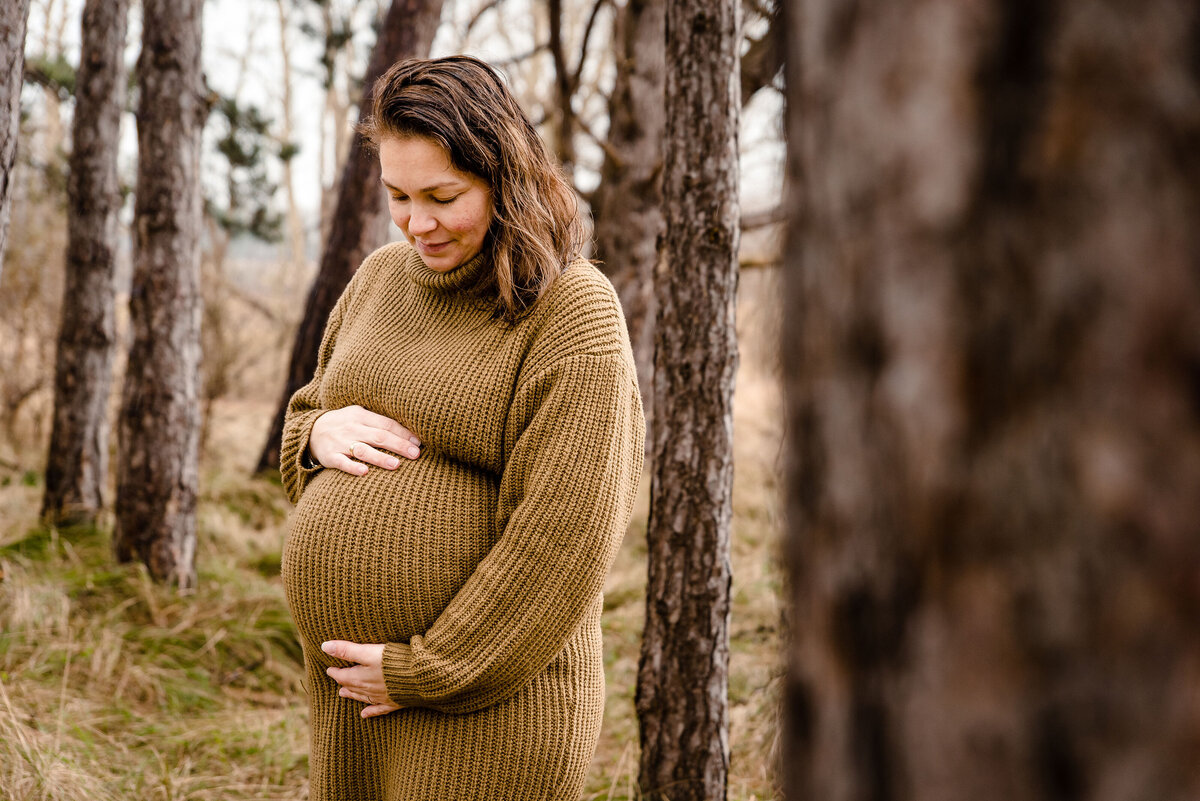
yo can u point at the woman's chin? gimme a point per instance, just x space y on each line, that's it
439 262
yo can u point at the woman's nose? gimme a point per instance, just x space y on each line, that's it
421 223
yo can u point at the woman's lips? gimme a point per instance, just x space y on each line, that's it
425 247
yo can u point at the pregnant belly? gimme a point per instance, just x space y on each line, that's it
377 558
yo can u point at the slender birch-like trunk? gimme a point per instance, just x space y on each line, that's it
14 15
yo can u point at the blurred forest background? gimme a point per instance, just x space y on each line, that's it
967 284
114 686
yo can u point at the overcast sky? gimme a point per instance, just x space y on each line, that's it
230 26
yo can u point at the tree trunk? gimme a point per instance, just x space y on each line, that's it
159 428
407 32
295 225
14 14
993 370
564 132
77 465
627 210
683 671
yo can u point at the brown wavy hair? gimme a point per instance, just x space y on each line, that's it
462 104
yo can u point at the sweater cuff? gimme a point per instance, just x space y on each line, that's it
295 465
398 674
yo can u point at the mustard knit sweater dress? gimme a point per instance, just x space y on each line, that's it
480 564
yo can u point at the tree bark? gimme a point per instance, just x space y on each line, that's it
564 133
627 210
295 225
407 32
683 671
77 465
159 429
14 15
993 372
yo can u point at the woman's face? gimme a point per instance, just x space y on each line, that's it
442 212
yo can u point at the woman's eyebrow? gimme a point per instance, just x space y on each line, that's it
433 188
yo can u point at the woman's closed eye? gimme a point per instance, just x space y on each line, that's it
439 200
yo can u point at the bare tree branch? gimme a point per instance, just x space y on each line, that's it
514 60
762 61
583 46
761 219
474 20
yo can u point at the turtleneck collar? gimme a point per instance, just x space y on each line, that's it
463 276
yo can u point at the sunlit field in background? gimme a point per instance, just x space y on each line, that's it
112 687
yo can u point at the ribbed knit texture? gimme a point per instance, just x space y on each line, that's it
480 564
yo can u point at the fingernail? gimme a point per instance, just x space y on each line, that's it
414 440
327 647
413 452
393 462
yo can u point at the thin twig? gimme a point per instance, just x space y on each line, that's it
486 7
583 46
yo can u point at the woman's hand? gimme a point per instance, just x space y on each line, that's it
363 682
340 437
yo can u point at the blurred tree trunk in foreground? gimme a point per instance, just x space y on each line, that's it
159 431
407 32
684 667
77 465
993 366
627 207
14 14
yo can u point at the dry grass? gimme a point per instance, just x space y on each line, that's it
113 688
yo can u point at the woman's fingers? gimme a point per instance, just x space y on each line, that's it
375 710
389 425
376 446
363 682
386 438
351 438
364 453
341 461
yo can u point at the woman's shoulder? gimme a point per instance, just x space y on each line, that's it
579 315
581 290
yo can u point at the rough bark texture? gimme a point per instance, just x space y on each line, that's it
77 465
159 430
407 32
683 671
993 370
14 14
627 208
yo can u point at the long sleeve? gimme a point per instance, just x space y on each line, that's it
304 409
566 496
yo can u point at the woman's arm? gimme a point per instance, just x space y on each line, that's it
295 466
346 439
566 496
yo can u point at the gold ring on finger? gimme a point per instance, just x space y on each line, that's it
353 445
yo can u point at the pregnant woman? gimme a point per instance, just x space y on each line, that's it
463 463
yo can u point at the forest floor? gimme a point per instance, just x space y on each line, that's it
112 687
